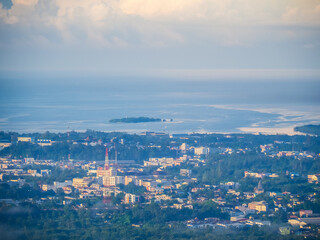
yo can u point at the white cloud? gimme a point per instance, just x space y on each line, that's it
158 9
163 19
24 2
236 74
304 14
226 12
125 23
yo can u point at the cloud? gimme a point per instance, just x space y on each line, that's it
303 13
189 30
226 12
235 74
24 2
178 9
108 22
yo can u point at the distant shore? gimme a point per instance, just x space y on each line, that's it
271 131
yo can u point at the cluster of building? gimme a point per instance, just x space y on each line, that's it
269 149
105 181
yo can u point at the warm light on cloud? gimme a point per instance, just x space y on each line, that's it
151 9
226 12
24 2
302 15
167 24
163 16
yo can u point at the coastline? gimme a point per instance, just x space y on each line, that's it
271 131
208 119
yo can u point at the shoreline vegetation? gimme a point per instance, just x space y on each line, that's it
309 129
137 120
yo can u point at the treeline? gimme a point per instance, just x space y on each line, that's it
60 175
65 150
154 214
58 151
210 140
31 222
221 168
139 148
21 193
64 136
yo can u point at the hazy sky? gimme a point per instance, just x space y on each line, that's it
127 36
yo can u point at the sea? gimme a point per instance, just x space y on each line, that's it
60 104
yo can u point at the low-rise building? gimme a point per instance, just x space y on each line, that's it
301 222
131 198
314 178
58 185
185 172
261 206
44 142
81 182
201 151
25 139
305 213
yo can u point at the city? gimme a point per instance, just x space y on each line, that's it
159 120
200 182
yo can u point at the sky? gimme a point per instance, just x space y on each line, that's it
154 37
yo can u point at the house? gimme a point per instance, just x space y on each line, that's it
314 178
131 198
305 213
261 206
302 222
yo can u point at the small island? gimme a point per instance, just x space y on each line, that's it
135 120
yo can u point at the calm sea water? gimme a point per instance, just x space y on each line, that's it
29 105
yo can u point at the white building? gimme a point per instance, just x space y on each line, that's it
185 172
184 147
201 151
160 162
25 139
62 184
111 179
130 198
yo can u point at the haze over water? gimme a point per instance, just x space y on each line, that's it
195 105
